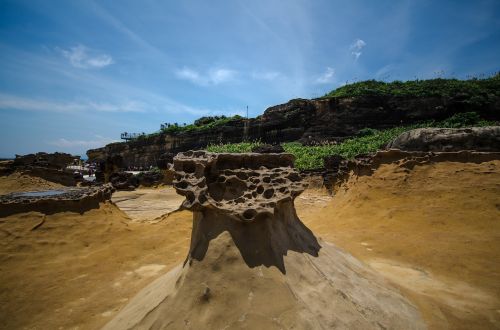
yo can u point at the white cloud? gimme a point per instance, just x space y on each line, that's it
30 104
356 48
84 58
212 77
266 75
326 77
96 142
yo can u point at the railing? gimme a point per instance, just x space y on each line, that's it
130 136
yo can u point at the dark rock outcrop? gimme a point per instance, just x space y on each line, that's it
55 160
268 149
123 181
307 121
449 139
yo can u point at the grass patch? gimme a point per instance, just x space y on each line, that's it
369 140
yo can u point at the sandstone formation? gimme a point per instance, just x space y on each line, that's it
449 139
49 167
56 200
338 170
308 121
253 264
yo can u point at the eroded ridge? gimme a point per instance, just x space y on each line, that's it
244 186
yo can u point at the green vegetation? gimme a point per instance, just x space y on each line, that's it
477 90
369 140
201 124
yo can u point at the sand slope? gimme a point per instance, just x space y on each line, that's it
433 230
221 291
18 181
70 270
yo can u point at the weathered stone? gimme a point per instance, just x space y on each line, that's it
55 160
449 139
228 191
268 149
337 173
309 121
123 181
56 200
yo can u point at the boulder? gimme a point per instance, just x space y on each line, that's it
485 139
123 181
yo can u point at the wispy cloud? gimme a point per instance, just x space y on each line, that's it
356 48
85 58
30 104
265 75
212 77
327 77
97 141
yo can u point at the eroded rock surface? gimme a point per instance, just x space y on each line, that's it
226 191
239 233
449 139
55 200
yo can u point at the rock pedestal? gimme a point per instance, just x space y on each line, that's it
250 196
253 264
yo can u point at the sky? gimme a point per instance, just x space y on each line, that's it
75 74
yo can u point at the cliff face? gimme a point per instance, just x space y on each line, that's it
303 120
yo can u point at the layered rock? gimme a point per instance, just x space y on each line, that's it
56 200
449 139
253 264
308 121
55 160
338 170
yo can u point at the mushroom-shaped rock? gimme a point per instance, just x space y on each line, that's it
253 264
250 196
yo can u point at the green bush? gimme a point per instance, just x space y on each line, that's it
475 90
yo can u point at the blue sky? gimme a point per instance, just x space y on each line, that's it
74 74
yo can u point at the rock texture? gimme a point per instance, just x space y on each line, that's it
225 191
309 121
253 264
55 160
338 170
268 149
56 200
449 139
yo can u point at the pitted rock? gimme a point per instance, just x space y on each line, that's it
242 185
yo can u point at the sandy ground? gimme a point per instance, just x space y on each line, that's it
16 182
147 204
76 271
433 231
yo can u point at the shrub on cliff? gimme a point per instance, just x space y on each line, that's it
370 140
476 91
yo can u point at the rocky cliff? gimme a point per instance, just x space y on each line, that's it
307 121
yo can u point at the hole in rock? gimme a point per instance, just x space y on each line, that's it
190 197
242 175
269 193
293 177
266 179
182 185
260 190
189 167
249 214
